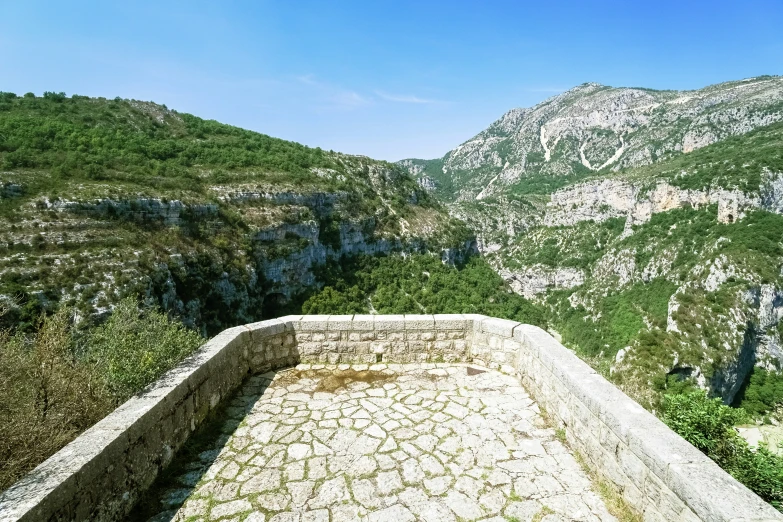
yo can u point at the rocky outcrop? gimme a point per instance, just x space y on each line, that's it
10 190
608 198
140 210
756 315
537 279
597 127
284 266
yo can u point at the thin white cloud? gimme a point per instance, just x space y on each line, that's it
308 79
346 98
401 98
334 96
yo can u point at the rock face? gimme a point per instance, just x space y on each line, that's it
282 257
593 127
562 197
140 210
538 279
608 198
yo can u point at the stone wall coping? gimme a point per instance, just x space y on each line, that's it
703 486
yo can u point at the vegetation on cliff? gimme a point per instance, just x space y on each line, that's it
648 226
101 199
418 284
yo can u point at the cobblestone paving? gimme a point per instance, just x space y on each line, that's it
385 443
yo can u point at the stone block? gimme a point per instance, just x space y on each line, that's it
450 322
713 494
500 327
419 322
363 322
263 329
312 323
340 322
390 323
631 466
666 503
289 321
380 347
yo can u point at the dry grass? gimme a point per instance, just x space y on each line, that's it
613 500
46 397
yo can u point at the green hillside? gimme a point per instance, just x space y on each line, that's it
105 198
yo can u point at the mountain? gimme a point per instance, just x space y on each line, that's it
217 225
531 152
593 127
648 223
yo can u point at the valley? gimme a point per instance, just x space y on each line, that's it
646 223
642 228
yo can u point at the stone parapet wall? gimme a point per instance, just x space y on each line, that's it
657 472
101 474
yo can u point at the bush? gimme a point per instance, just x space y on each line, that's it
47 396
56 383
762 392
133 348
417 284
709 425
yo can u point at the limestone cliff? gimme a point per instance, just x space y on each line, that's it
218 225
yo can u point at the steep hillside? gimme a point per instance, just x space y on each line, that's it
648 222
593 127
513 165
671 270
218 225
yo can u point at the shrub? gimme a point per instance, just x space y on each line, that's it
133 348
762 392
709 425
47 396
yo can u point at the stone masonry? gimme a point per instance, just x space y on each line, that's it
104 473
434 442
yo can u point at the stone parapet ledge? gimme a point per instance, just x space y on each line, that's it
659 473
101 474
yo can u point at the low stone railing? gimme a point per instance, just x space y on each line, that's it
101 474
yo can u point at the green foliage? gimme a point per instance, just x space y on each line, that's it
329 233
97 139
735 162
537 183
705 423
331 301
47 395
417 284
144 202
133 348
578 246
56 381
709 425
620 318
761 392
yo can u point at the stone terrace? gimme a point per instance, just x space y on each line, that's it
104 474
397 443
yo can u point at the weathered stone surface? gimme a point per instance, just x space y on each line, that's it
436 472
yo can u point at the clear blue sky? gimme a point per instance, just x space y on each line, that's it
388 79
